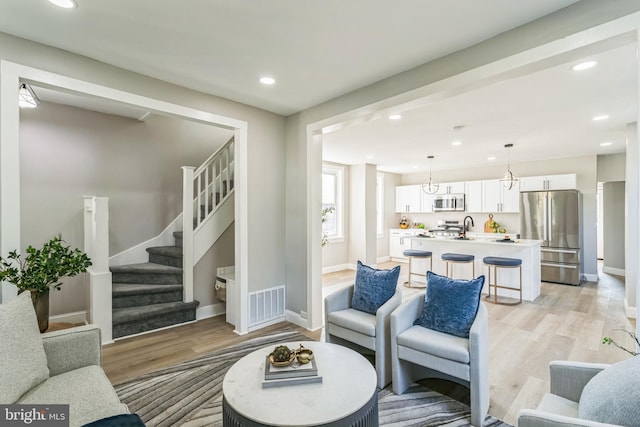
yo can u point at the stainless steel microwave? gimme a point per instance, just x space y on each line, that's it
448 203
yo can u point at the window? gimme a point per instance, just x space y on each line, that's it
380 204
332 203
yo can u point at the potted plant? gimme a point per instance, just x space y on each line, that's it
41 270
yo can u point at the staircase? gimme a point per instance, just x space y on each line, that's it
149 296
151 284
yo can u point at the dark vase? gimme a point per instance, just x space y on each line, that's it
41 305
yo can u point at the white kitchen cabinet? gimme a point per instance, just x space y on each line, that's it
408 198
451 188
399 240
426 202
566 181
497 198
473 196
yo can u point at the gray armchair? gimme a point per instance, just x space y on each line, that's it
357 329
418 353
559 408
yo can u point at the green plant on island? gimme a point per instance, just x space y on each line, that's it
42 269
609 341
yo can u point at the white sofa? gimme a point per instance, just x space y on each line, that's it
62 367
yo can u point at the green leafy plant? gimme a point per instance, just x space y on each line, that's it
325 218
609 341
42 269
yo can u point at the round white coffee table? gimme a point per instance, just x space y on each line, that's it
347 395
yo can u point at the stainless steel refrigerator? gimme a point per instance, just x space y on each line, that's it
554 217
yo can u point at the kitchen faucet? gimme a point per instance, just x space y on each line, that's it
465 228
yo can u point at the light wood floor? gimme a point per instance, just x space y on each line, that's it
564 323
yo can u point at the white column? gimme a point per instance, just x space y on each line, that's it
9 172
187 233
96 245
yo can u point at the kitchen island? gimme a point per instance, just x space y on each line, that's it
526 250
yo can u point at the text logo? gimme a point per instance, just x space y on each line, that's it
34 415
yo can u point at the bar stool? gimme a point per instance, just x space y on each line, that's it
417 253
453 258
500 262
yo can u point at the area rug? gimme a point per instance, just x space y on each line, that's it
190 394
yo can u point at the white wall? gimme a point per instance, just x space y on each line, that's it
266 215
391 180
509 54
362 236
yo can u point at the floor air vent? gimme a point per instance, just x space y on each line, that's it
266 306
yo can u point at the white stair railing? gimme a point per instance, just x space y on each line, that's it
204 191
96 245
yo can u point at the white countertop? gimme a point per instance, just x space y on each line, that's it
478 241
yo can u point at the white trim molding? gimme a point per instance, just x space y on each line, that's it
612 270
631 312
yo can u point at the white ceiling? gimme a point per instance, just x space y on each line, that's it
546 114
318 50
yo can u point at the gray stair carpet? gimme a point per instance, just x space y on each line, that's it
148 296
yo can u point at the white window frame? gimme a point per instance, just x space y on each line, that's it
338 172
380 205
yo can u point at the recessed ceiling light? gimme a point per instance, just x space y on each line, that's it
67 4
266 80
395 116
606 144
584 65
415 167
456 142
491 158
371 156
600 117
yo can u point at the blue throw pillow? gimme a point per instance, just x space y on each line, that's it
450 306
373 287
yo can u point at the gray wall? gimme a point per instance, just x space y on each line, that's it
266 147
611 167
68 152
613 198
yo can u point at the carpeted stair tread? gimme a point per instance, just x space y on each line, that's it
142 289
146 268
171 251
132 314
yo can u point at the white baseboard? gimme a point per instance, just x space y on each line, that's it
268 323
591 277
631 312
334 268
295 318
405 260
75 317
611 270
383 259
210 311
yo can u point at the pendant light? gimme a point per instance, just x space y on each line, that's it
509 180
431 185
